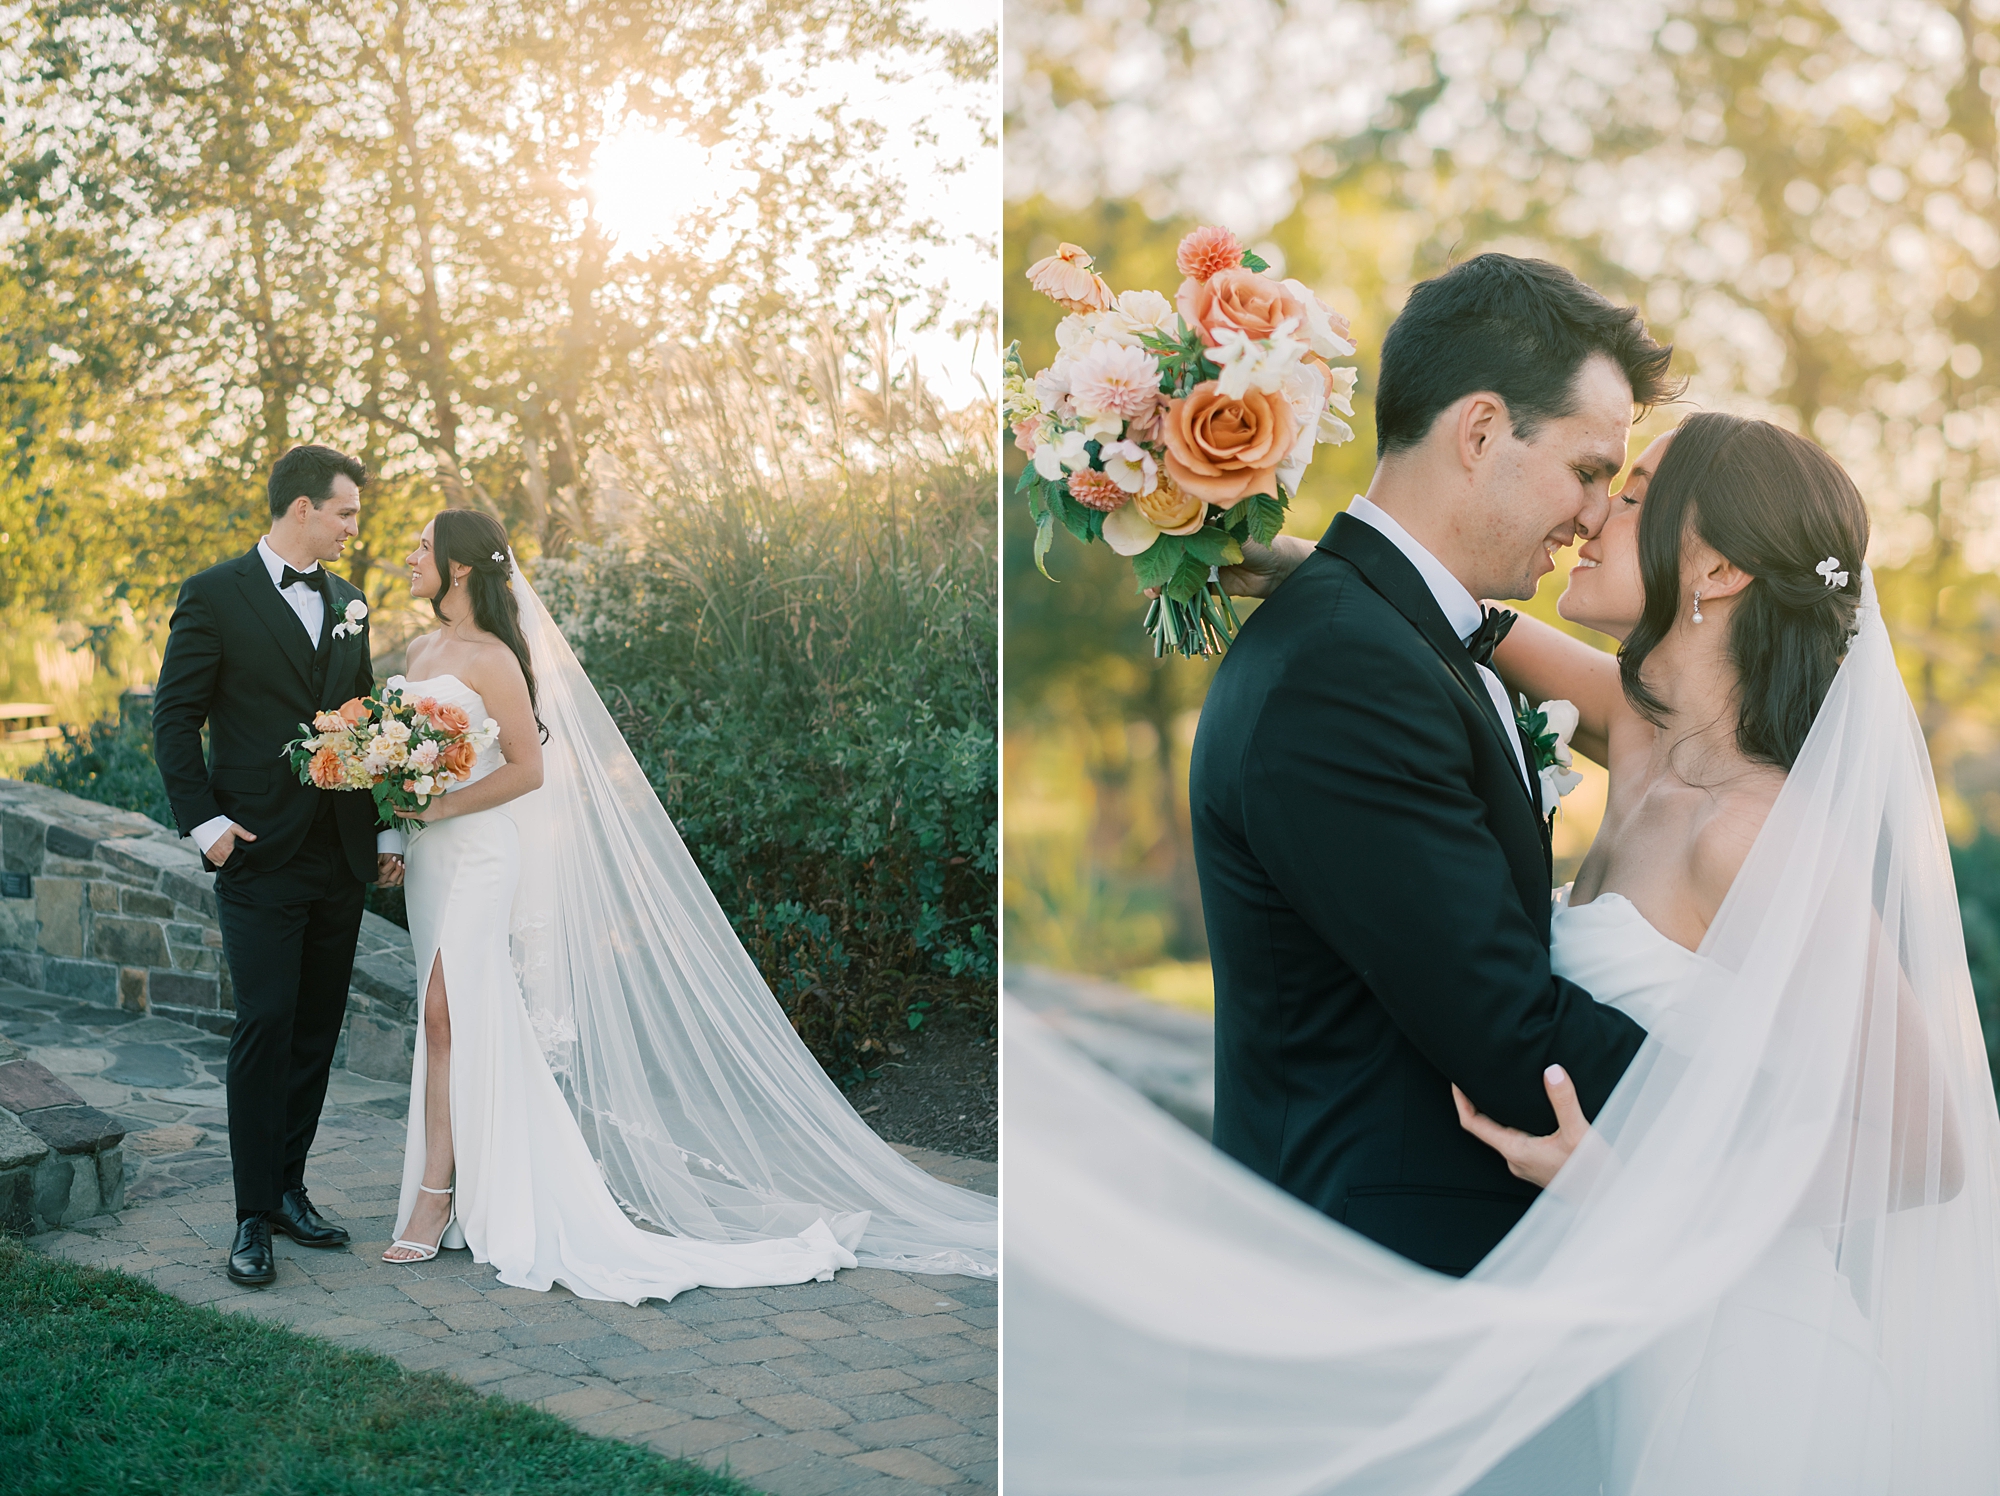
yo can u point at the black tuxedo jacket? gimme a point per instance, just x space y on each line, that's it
239 660
1375 879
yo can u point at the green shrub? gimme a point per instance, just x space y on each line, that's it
798 634
1976 868
839 795
110 762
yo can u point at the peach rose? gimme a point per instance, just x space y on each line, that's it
329 722
353 710
1224 450
325 769
1172 510
447 718
1065 277
1253 304
458 759
426 705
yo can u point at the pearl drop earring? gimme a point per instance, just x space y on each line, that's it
1697 605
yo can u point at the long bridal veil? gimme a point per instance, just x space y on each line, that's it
1772 1269
707 1113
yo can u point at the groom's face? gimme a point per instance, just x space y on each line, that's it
1545 493
329 526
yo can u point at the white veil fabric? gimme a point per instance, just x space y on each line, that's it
707 1113
1771 1269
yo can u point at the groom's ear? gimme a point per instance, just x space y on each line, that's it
1481 421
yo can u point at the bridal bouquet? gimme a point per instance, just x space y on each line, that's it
402 752
1175 430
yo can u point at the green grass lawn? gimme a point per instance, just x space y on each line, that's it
108 1384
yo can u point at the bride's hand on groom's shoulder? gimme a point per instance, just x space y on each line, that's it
1535 1159
1263 569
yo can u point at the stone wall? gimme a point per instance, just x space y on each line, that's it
60 1159
108 907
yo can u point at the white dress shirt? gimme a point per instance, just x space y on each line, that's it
1460 608
308 603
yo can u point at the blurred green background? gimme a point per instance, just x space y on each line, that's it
1801 197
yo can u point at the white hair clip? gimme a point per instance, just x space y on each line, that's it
499 556
1830 569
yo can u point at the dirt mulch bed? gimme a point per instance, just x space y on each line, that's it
942 1092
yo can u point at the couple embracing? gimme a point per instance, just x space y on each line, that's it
605 1094
1687 1175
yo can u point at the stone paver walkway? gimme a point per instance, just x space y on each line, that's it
874 1384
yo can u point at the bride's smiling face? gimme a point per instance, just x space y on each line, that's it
1606 591
423 567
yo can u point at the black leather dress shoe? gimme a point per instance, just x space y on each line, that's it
251 1262
296 1217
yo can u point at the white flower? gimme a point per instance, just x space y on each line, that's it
1111 379
1141 312
1130 466
487 731
425 754
1067 453
1558 779
1319 333
1342 396
426 785
1128 532
356 610
396 730
1260 364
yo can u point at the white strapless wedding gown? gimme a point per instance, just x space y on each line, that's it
1736 1402
530 1197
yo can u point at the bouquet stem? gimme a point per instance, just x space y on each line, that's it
1203 626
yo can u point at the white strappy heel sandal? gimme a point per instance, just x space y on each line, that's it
427 1249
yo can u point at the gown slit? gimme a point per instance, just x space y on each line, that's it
531 1199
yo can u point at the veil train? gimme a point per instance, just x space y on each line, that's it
708 1114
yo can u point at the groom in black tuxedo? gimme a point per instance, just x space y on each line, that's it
1374 859
257 646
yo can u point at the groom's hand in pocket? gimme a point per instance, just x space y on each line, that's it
1535 1159
219 849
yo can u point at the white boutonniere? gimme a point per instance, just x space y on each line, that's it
1549 728
351 624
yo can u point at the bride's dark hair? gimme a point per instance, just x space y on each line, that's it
477 540
1776 506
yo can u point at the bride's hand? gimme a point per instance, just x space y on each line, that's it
432 812
1537 1160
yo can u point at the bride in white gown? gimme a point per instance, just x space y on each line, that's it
1772 1264
594 1048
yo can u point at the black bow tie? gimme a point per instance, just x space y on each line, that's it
1493 626
315 579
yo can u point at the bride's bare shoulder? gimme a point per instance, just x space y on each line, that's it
1722 839
416 649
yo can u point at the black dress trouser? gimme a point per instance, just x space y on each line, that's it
288 935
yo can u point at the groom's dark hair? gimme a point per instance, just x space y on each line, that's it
310 471
1520 329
